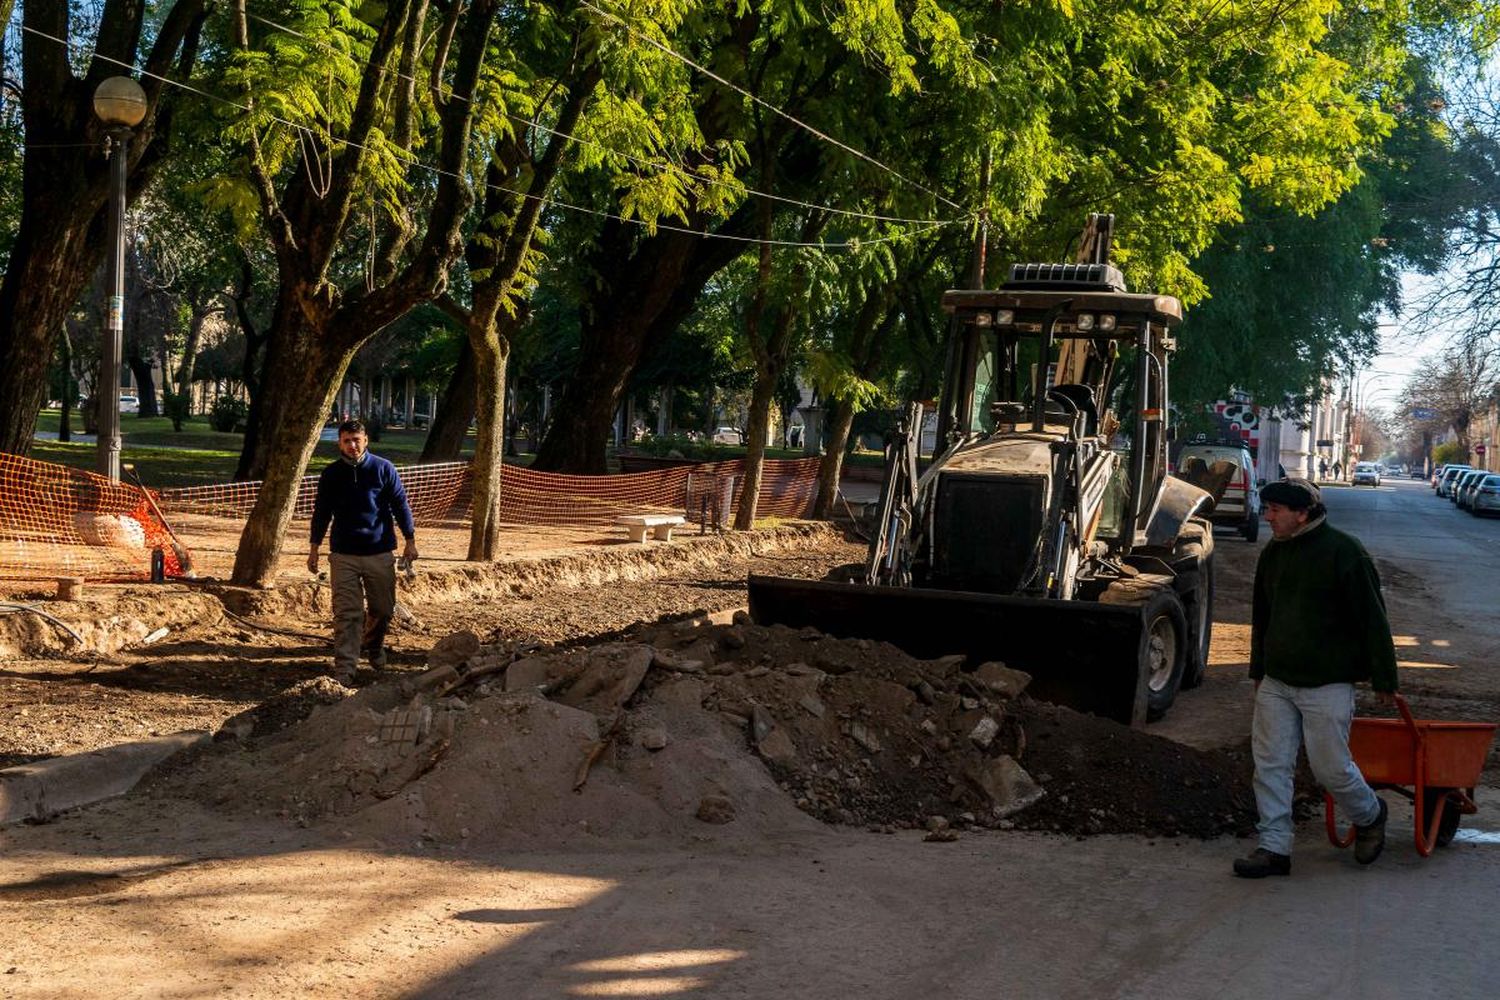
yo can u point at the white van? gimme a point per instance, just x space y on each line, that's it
1227 472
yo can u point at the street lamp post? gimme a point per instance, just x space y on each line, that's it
120 104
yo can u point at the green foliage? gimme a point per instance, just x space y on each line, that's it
175 407
1448 451
228 415
677 445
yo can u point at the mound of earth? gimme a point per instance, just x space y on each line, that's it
689 728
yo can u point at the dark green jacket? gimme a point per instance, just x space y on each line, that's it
1318 617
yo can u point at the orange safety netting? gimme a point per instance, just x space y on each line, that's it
57 521
432 491
706 492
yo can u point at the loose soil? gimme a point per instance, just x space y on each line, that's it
690 726
846 732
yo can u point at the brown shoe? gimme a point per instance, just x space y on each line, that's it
1261 863
1369 841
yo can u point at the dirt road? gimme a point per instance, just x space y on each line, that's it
151 897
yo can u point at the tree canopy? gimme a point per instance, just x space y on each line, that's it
595 181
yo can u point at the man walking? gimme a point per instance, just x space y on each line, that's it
1318 625
362 495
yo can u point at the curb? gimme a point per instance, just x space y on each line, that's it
42 790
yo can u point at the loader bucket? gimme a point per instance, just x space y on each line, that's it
1079 653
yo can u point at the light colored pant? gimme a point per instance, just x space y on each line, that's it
1285 718
358 580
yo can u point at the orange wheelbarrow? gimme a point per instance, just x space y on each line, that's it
1435 764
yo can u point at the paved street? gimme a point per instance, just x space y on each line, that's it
1455 554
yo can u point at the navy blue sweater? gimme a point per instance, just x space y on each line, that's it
365 503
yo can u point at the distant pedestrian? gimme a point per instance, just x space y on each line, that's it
362 495
1317 626
1322 468
1338 470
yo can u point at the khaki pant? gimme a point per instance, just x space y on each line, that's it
357 581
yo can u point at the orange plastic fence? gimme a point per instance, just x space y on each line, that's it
59 521
432 491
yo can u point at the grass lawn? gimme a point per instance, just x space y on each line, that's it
199 454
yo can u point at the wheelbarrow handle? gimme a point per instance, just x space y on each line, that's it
1405 710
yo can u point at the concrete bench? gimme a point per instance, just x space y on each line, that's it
661 525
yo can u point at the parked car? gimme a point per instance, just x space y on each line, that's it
1366 474
1228 472
130 404
728 435
1464 486
1486 497
1450 474
1416 472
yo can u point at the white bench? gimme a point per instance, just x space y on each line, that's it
661 525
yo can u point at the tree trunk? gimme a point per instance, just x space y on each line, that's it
297 393
47 271
644 290
450 425
491 352
60 239
762 398
190 354
831 468
65 401
145 385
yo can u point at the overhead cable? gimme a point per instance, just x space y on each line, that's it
638 160
771 107
413 161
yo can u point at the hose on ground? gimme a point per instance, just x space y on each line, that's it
7 608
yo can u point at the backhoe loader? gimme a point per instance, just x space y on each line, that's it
1047 533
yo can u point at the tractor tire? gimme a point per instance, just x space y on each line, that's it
1193 562
1194 542
1163 654
1198 605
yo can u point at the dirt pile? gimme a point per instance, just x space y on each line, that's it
684 728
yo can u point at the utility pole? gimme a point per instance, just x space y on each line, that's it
120 103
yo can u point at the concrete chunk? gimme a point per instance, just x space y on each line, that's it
1002 680
1006 785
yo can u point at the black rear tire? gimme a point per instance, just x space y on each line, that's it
1199 608
1162 656
1251 529
1164 652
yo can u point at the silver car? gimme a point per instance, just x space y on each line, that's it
1486 499
1367 474
1450 475
1463 489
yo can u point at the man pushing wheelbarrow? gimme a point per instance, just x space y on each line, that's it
1318 627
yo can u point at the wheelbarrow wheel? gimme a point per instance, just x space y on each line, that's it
1447 824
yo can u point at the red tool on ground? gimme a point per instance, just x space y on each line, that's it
184 557
1435 764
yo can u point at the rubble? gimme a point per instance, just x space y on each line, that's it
740 726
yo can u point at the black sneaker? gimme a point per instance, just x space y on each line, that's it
1369 841
1261 863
